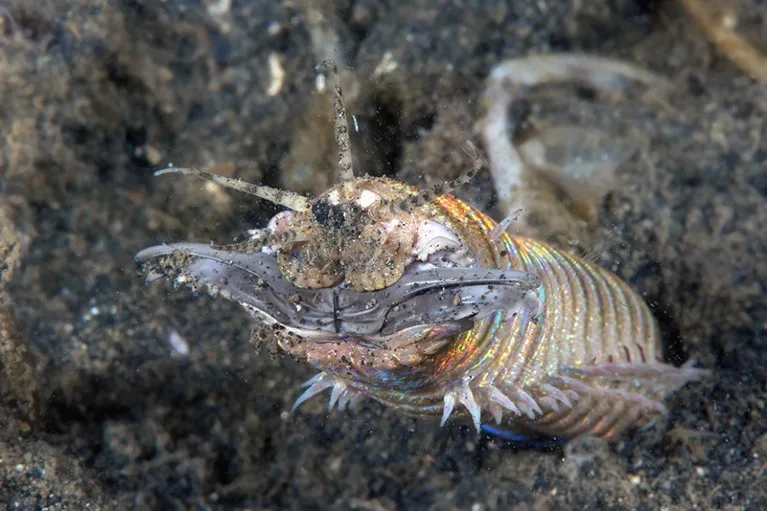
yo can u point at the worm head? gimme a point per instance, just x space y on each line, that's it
369 274
335 326
361 282
351 237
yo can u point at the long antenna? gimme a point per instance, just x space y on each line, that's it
426 196
290 200
340 123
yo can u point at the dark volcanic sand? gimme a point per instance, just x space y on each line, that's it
98 409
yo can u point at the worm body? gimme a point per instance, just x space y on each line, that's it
568 349
589 364
421 302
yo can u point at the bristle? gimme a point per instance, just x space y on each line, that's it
527 404
556 394
466 398
290 200
447 410
496 396
341 124
339 387
497 412
503 225
314 386
462 394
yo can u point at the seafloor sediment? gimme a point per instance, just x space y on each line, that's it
100 410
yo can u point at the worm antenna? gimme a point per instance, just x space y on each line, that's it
290 200
265 238
426 196
340 122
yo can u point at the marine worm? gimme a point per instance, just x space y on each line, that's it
417 300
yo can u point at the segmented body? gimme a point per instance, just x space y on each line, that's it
590 319
589 364
419 301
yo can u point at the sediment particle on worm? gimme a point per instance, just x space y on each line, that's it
416 300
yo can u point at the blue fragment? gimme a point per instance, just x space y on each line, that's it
530 441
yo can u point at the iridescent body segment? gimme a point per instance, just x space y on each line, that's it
575 352
589 364
419 301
